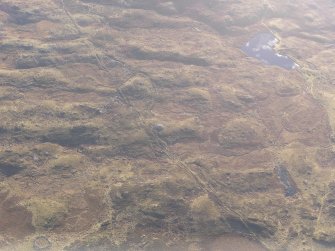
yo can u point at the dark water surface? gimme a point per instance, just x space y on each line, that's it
262 46
286 180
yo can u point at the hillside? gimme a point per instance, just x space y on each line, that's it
142 125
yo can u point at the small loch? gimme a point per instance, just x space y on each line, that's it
262 47
290 188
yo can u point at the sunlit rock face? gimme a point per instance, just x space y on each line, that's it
167 125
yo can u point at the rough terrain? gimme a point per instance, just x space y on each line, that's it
141 125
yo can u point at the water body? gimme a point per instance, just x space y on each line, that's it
262 47
285 178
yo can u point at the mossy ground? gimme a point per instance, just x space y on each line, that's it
142 126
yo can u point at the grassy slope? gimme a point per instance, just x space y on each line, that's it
124 124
